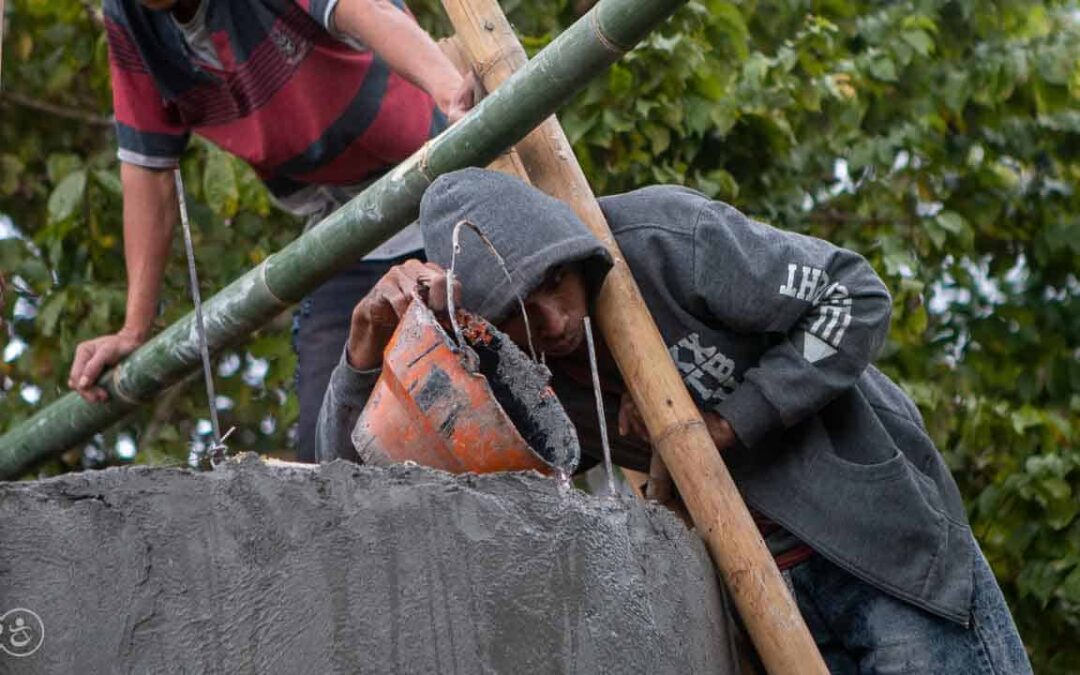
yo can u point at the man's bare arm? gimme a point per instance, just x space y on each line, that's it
149 216
407 49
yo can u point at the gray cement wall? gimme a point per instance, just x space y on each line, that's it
258 568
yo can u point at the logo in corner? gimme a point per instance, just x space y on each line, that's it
21 632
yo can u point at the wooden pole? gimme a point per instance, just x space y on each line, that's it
675 425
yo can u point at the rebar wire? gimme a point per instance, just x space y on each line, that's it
456 241
600 407
217 449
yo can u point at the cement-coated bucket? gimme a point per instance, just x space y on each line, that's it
437 405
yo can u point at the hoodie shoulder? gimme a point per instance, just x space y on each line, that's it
671 208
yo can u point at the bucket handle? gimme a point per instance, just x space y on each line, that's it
456 239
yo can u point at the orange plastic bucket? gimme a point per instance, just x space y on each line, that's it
491 409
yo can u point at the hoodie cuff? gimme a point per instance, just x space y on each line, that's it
751 416
350 383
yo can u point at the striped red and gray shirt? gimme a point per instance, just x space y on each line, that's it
268 81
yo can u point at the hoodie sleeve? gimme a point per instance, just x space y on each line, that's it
345 397
825 305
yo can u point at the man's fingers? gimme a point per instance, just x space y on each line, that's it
396 294
638 423
82 354
97 363
378 310
436 291
630 420
624 415
433 278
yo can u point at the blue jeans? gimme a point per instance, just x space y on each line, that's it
320 329
861 629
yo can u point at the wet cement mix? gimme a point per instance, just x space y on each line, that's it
285 568
523 389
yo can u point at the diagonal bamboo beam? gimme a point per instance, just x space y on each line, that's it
678 433
547 82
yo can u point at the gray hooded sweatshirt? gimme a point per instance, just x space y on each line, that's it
772 330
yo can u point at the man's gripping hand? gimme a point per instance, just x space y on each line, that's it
457 99
94 356
632 424
376 316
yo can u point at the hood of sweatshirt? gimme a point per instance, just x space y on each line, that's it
532 231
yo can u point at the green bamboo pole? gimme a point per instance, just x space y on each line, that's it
548 81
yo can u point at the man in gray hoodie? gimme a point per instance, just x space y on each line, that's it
773 333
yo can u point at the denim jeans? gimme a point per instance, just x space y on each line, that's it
861 629
320 330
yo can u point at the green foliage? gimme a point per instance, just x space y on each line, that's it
957 126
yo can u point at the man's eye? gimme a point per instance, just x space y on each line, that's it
555 278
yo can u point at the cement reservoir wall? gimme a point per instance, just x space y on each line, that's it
281 568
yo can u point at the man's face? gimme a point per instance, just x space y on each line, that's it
556 310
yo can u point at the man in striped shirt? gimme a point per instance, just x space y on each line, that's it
318 96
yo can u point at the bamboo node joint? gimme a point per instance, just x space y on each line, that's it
422 162
609 44
119 390
676 428
266 283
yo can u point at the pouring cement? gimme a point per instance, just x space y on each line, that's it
285 568
479 406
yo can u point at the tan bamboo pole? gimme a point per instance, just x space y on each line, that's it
675 425
510 163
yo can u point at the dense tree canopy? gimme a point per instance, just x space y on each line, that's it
938 138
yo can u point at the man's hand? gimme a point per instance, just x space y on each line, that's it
457 99
376 316
632 424
94 356
722 433
630 421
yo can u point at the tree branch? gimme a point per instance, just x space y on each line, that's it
24 101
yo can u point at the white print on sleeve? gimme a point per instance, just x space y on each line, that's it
826 323
705 369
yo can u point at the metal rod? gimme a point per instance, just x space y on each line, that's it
608 469
544 84
193 277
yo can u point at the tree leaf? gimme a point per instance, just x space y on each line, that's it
11 170
60 164
919 40
883 68
67 196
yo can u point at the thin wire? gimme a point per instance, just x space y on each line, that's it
456 240
217 449
600 407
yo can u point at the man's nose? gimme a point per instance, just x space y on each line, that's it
551 319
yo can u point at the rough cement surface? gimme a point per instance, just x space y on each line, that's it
258 568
